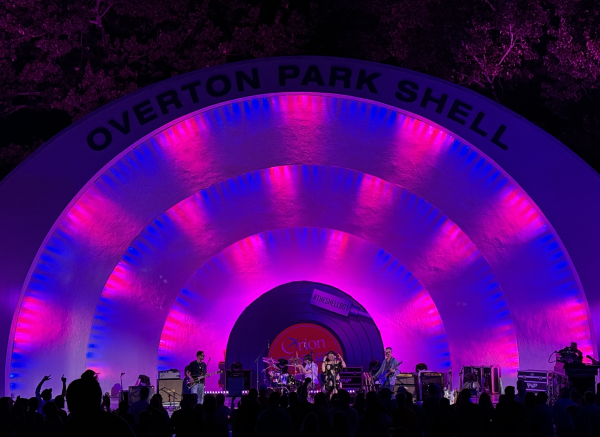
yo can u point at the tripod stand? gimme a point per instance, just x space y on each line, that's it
172 395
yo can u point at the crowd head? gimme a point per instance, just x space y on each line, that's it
382 413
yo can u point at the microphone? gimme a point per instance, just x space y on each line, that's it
122 373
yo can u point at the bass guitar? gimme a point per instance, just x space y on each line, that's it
384 376
197 379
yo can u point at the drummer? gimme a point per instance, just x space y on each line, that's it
310 368
273 371
282 363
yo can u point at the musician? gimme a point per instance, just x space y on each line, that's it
331 367
310 369
282 363
279 375
193 370
388 370
577 352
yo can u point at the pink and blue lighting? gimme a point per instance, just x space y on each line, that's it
167 247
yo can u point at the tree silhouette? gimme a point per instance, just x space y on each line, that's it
61 59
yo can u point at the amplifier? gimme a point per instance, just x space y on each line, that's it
169 374
134 393
434 378
245 374
235 385
427 378
352 380
353 369
170 389
408 381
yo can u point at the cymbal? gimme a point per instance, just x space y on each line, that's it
294 360
269 360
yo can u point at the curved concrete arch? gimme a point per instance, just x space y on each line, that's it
153 270
330 131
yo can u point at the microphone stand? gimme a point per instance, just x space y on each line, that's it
121 396
257 360
335 378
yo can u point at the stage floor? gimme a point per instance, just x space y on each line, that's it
114 403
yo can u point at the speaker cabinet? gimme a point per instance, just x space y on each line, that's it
408 381
235 386
245 375
170 389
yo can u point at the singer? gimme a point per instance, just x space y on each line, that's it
332 365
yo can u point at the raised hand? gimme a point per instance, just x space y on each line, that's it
46 378
63 379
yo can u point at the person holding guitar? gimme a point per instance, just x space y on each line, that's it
194 371
387 372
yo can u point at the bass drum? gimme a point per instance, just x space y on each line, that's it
292 383
278 378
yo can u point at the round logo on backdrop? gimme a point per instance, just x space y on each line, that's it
304 338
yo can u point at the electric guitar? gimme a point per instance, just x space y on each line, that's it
197 379
384 376
450 395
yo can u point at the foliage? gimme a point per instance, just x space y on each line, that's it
61 59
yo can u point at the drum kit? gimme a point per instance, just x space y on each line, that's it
281 379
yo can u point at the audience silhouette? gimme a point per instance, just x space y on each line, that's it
374 414
140 405
182 420
87 418
274 421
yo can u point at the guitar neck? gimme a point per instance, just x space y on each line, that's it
197 378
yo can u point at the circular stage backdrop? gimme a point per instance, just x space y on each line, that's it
294 326
302 339
141 233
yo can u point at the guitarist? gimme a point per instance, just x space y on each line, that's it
310 369
387 372
193 370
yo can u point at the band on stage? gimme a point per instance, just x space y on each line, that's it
304 376
307 376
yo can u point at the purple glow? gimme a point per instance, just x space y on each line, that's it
212 300
475 242
187 227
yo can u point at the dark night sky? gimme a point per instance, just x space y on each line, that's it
61 59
